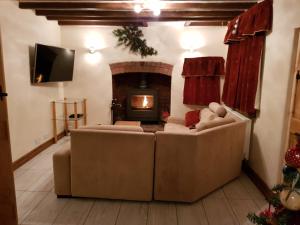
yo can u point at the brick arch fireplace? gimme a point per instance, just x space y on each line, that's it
141 90
141 67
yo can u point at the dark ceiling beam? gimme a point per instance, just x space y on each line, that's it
128 5
91 13
207 23
120 13
100 23
139 19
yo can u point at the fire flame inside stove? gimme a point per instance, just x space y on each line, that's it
142 102
145 102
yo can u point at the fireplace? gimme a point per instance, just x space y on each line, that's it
142 105
141 91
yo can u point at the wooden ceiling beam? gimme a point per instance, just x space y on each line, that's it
128 5
120 12
96 13
207 23
101 23
139 19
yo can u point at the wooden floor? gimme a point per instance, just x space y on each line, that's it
38 205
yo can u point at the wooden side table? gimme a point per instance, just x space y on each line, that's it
67 117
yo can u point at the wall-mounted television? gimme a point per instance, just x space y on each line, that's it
52 64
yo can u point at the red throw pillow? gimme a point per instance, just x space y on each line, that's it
192 118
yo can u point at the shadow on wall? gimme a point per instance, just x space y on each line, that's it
257 157
31 53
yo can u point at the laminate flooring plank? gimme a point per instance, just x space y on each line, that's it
27 202
19 172
162 214
44 183
44 163
104 212
28 165
191 214
133 213
46 211
23 183
250 187
219 193
241 208
218 212
261 203
75 212
38 162
235 190
19 194
64 142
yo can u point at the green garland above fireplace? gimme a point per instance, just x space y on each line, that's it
131 37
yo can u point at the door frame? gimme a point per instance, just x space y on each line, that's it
8 205
295 66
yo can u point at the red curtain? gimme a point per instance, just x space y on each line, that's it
246 39
202 80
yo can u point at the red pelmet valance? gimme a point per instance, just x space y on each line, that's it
257 19
202 80
203 66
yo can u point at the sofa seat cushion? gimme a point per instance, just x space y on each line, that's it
176 128
114 127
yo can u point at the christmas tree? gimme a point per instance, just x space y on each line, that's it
284 207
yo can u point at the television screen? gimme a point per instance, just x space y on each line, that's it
53 64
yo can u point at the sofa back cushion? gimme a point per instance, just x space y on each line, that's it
114 127
206 115
112 164
217 108
219 121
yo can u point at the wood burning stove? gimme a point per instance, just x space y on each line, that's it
142 105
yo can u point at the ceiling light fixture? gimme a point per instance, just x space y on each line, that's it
153 5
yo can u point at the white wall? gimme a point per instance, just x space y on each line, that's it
28 106
94 81
271 126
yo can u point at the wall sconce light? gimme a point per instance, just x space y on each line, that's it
192 40
93 56
92 50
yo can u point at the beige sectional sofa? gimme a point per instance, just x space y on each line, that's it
181 164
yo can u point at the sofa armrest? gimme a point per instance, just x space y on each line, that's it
174 119
62 172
